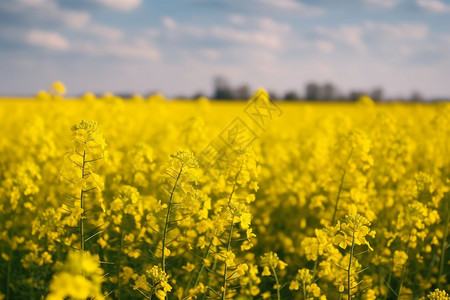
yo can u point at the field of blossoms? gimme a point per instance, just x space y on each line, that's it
144 198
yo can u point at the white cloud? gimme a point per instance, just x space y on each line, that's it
401 31
268 24
264 57
169 23
435 6
259 32
105 32
256 37
47 39
139 49
383 3
293 6
74 19
258 23
371 35
279 6
445 38
33 2
237 19
123 5
142 51
325 46
211 54
405 50
193 31
285 4
252 33
47 10
151 33
349 35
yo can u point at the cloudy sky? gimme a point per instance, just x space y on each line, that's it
178 46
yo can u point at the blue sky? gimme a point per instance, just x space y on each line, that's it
178 46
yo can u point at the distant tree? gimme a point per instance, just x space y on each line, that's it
198 95
416 96
150 94
242 93
354 95
377 94
328 92
312 91
222 88
181 97
124 95
341 97
291 96
273 96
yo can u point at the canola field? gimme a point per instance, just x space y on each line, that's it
105 198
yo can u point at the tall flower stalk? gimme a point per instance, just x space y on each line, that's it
181 172
271 263
88 149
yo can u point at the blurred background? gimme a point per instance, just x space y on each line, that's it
225 49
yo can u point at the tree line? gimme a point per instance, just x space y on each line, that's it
313 91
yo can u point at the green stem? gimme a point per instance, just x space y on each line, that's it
8 275
205 257
212 239
224 282
404 267
119 259
304 290
197 279
205 295
82 205
166 225
389 283
338 197
11 257
444 241
349 271
276 281
316 262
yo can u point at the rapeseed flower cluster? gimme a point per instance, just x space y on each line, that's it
210 200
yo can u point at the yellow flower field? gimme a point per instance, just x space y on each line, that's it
157 199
